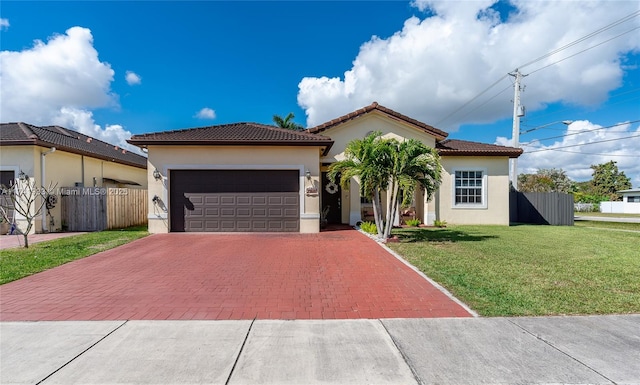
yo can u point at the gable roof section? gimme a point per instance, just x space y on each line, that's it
234 134
64 139
438 134
454 147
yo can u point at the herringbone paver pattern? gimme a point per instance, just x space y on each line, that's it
178 276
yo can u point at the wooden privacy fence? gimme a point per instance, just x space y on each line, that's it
100 208
541 208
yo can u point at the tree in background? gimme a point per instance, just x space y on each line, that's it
546 180
607 180
287 122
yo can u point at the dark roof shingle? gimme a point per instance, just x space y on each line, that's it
437 133
455 147
233 134
12 134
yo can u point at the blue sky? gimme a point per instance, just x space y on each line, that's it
245 61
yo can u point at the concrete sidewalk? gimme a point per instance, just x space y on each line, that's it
591 349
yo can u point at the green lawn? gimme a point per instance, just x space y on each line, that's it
609 225
605 215
20 262
531 270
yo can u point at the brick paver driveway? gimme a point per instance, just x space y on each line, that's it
334 274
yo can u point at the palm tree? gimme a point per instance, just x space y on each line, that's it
392 166
287 122
369 160
414 165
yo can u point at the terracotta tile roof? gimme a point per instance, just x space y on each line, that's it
16 134
237 134
438 134
454 147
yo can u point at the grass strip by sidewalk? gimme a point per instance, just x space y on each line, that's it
18 263
609 225
530 270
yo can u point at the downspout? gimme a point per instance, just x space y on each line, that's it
42 182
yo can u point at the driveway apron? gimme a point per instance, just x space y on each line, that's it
179 276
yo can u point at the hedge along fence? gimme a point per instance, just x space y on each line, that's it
100 208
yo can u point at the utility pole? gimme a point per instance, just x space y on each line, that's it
518 111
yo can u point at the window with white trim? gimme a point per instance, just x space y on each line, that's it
633 198
469 188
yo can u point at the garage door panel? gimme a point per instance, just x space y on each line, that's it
212 212
276 212
238 200
212 199
291 212
258 200
290 201
243 212
228 200
228 212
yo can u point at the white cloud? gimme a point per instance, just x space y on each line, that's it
82 120
132 78
59 82
581 145
433 66
4 24
206 113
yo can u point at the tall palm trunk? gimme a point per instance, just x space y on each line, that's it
377 213
391 208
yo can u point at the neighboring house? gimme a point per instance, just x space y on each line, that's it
630 203
254 177
78 160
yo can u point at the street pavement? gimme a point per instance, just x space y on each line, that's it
540 350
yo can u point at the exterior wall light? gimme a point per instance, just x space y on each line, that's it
156 174
308 174
22 176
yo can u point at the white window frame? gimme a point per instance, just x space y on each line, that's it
485 180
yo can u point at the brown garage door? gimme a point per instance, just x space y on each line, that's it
235 200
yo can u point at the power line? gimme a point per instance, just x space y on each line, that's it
586 37
584 144
590 153
488 100
542 115
585 131
584 50
472 100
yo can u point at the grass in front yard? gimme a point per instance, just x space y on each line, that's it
530 270
605 215
609 225
20 262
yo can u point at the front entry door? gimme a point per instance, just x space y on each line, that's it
331 194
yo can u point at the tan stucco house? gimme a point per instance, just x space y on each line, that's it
65 158
255 177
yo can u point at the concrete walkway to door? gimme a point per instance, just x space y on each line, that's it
181 276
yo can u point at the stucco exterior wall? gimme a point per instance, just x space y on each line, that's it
64 169
496 209
362 126
167 158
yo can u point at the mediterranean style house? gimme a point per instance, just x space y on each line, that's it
254 177
64 158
